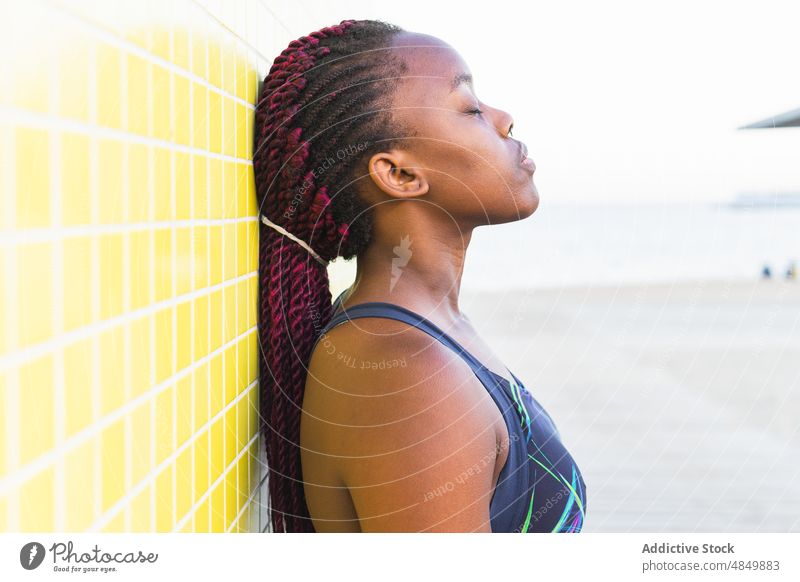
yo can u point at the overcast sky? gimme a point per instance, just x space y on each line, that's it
629 100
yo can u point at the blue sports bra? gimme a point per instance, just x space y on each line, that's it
540 488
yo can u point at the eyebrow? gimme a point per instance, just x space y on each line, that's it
459 79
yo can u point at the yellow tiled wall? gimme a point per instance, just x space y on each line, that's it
128 260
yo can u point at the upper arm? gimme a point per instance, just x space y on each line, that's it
411 441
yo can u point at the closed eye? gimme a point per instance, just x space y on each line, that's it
475 111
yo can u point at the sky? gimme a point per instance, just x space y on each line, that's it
631 101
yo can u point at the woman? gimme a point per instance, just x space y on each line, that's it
391 414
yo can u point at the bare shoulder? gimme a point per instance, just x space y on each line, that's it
402 418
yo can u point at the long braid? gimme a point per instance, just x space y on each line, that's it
326 93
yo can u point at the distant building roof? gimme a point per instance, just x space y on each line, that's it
788 119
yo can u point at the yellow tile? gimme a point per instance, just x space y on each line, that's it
249 133
253 417
77 282
188 526
140 269
241 130
200 171
228 66
252 208
165 428
200 317
111 346
253 355
163 184
138 183
252 244
216 199
251 305
112 460
112 209
112 284
161 99
200 238
75 190
241 306
218 509
36 409
230 498
201 116
79 487
180 46
214 64
217 457
242 486
184 259
229 188
78 386
216 385
164 345
242 421
241 365
184 408
163 264
140 346
35 292
229 297
229 250
201 450
252 83
183 194
116 524
140 512
137 84
184 334
140 34
242 249
215 254
201 517
214 114
140 444
243 205
182 113
230 374
215 319
37 503
183 483
32 150
231 442
73 80
201 396
229 127
165 505
241 74
109 86
161 38
199 42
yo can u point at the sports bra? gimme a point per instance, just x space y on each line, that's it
540 488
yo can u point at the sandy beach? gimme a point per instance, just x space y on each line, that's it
680 402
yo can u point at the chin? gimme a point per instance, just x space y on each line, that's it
527 201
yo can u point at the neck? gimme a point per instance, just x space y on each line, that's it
415 259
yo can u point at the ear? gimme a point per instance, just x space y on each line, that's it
396 175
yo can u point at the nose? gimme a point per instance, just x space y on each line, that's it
505 123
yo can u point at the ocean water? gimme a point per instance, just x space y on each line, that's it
623 243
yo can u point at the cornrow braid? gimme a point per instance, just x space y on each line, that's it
323 108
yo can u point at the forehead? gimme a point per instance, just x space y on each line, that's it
433 66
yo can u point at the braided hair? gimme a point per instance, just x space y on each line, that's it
323 109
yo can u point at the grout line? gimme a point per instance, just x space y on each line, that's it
13 359
24 118
170 460
36 235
